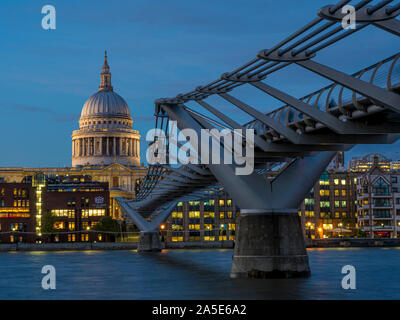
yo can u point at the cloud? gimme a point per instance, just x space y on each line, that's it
56 116
21 107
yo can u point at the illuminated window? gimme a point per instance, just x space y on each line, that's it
208 238
93 213
175 239
327 226
71 225
336 181
343 181
336 192
194 214
59 225
194 227
309 201
324 179
229 203
309 213
344 203
337 214
209 214
222 215
324 193
177 215
63 213
230 214
221 203
343 193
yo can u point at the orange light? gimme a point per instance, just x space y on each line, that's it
319 229
162 227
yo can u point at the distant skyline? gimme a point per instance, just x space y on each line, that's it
156 49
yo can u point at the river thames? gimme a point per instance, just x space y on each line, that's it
193 274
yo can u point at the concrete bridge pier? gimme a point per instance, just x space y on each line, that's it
149 241
269 244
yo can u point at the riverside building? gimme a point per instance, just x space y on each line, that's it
330 208
205 220
76 203
378 196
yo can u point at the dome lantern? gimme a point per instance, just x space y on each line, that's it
105 76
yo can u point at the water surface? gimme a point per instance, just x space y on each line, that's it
193 274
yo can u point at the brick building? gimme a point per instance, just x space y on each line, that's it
75 202
17 212
78 204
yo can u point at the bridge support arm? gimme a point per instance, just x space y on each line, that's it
392 26
149 239
385 98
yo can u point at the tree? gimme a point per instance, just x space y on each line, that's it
361 234
48 221
108 224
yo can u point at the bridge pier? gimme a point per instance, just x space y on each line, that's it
269 244
149 241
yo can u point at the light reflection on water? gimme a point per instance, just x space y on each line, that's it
193 274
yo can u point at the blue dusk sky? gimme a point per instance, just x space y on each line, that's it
156 49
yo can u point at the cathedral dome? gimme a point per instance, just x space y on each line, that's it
105 108
105 134
105 104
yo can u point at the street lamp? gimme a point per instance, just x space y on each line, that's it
309 229
340 226
320 232
162 227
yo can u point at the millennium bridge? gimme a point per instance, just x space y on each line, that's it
302 136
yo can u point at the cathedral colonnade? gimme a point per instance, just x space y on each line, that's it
106 146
